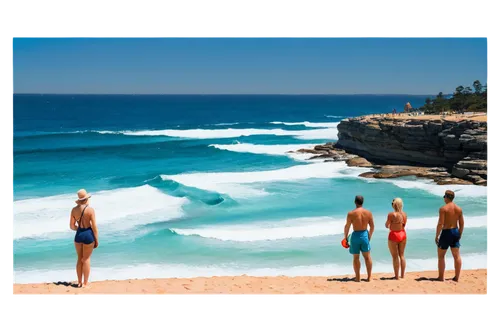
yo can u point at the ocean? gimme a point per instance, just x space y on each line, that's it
204 185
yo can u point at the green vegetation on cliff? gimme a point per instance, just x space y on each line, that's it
463 99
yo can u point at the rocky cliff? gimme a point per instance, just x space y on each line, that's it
460 146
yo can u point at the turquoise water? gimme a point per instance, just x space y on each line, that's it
204 185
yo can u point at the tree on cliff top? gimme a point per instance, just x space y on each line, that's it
478 87
463 99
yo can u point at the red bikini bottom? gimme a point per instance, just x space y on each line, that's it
397 236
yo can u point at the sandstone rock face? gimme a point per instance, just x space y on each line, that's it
458 146
439 174
359 162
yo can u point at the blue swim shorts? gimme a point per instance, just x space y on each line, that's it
449 238
359 242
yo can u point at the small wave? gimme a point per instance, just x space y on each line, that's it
281 150
226 124
106 132
233 183
337 117
325 133
301 228
24 135
33 134
157 271
194 194
121 208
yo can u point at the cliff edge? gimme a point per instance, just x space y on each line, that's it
459 145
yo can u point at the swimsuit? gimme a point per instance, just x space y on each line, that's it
359 242
399 235
84 235
449 238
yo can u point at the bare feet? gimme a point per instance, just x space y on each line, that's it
357 280
86 286
368 280
79 285
440 279
455 279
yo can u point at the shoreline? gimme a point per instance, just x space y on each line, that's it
472 281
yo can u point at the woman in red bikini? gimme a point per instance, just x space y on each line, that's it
396 222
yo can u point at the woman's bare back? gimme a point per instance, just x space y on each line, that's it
86 220
398 221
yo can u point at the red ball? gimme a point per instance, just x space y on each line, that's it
345 244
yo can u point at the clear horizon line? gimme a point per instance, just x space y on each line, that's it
234 94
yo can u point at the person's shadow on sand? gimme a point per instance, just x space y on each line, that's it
387 278
344 280
426 279
66 284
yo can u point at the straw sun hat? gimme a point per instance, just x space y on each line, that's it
82 196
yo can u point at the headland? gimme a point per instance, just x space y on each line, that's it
448 149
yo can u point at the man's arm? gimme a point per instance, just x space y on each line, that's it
347 225
461 223
372 227
440 224
72 222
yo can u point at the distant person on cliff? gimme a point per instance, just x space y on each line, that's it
408 107
448 233
360 219
82 220
396 222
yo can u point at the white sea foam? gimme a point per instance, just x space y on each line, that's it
301 228
226 124
154 271
262 149
307 124
105 132
282 150
338 117
121 208
232 182
433 188
329 133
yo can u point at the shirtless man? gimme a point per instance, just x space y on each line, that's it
360 218
448 234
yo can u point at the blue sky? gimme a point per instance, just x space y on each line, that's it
247 66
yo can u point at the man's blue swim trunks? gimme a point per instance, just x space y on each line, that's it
359 242
449 238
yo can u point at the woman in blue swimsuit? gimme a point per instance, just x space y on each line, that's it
86 238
